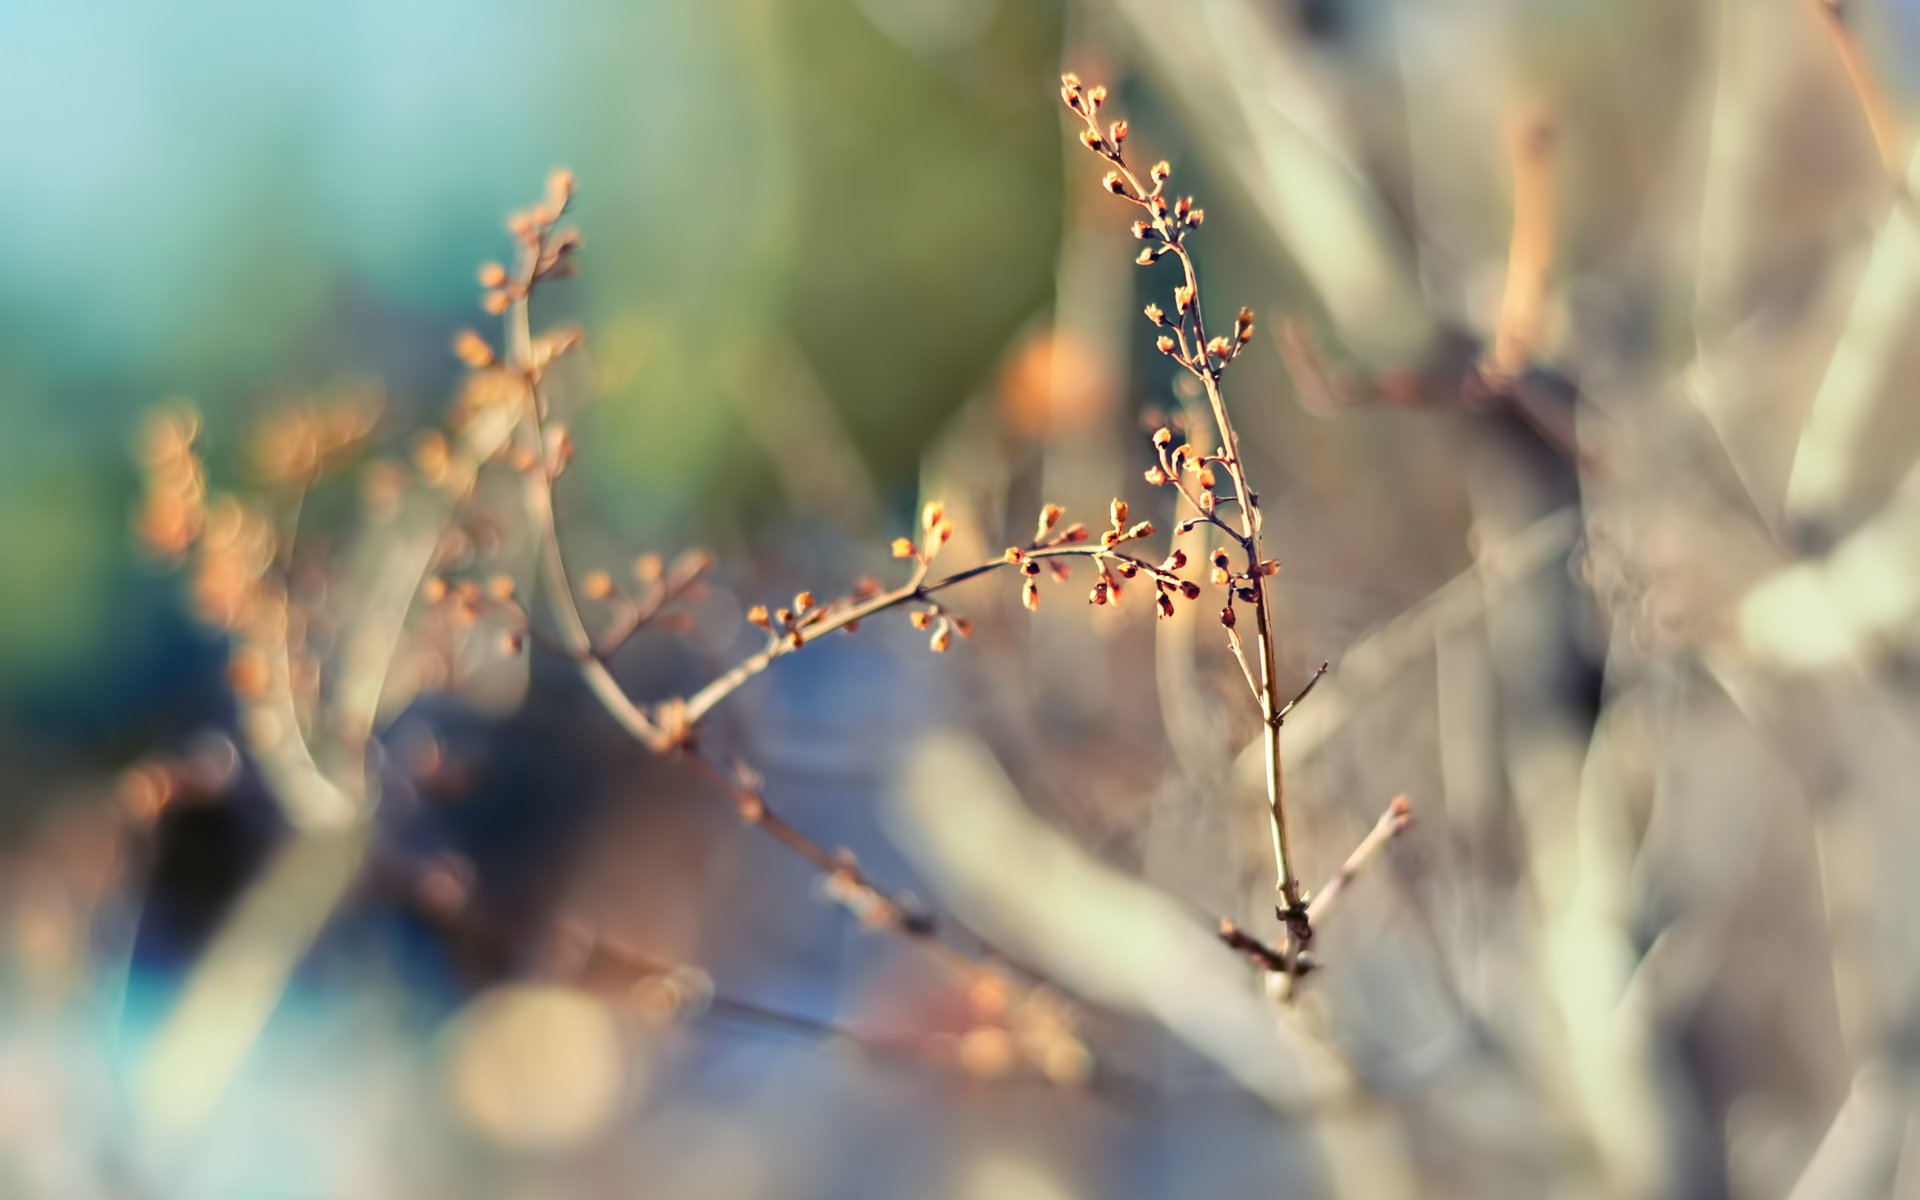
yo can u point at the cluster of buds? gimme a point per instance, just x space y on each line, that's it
1243 586
1164 229
1047 535
173 504
1031 1028
788 624
297 445
942 623
937 531
546 251
465 603
1174 462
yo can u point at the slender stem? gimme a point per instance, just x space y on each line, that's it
577 642
1169 227
1392 823
915 590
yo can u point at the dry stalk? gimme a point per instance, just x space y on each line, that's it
1165 228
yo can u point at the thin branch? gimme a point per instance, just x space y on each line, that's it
914 591
1281 716
1392 823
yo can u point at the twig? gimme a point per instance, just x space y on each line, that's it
1392 823
1295 702
914 591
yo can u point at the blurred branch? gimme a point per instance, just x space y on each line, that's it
1882 122
1856 381
1530 251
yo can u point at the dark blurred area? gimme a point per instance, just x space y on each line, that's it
1578 403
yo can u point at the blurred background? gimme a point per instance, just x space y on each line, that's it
1579 406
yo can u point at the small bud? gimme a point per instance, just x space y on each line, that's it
649 568
1219 347
1091 140
560 188
1207 479
903 548
757 615
1157 316
1112 181
1165 603
1013 555
1243 326
1219 575
435 589
1117 132
597 585
920 618
1099 593
1219 558
1270 567
1182 299
492 275
1226 616
1174 561
802 601
783 617
1248 594
1049 517
942 638
1145 258
500 587
1162 436
1156 477
1075 533
1110 538
1182 207
472 349
1030 595
1117 512
1189 589
931 515
1164 344
1195 217
1030 568
1161 171
1099 94
1140 530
